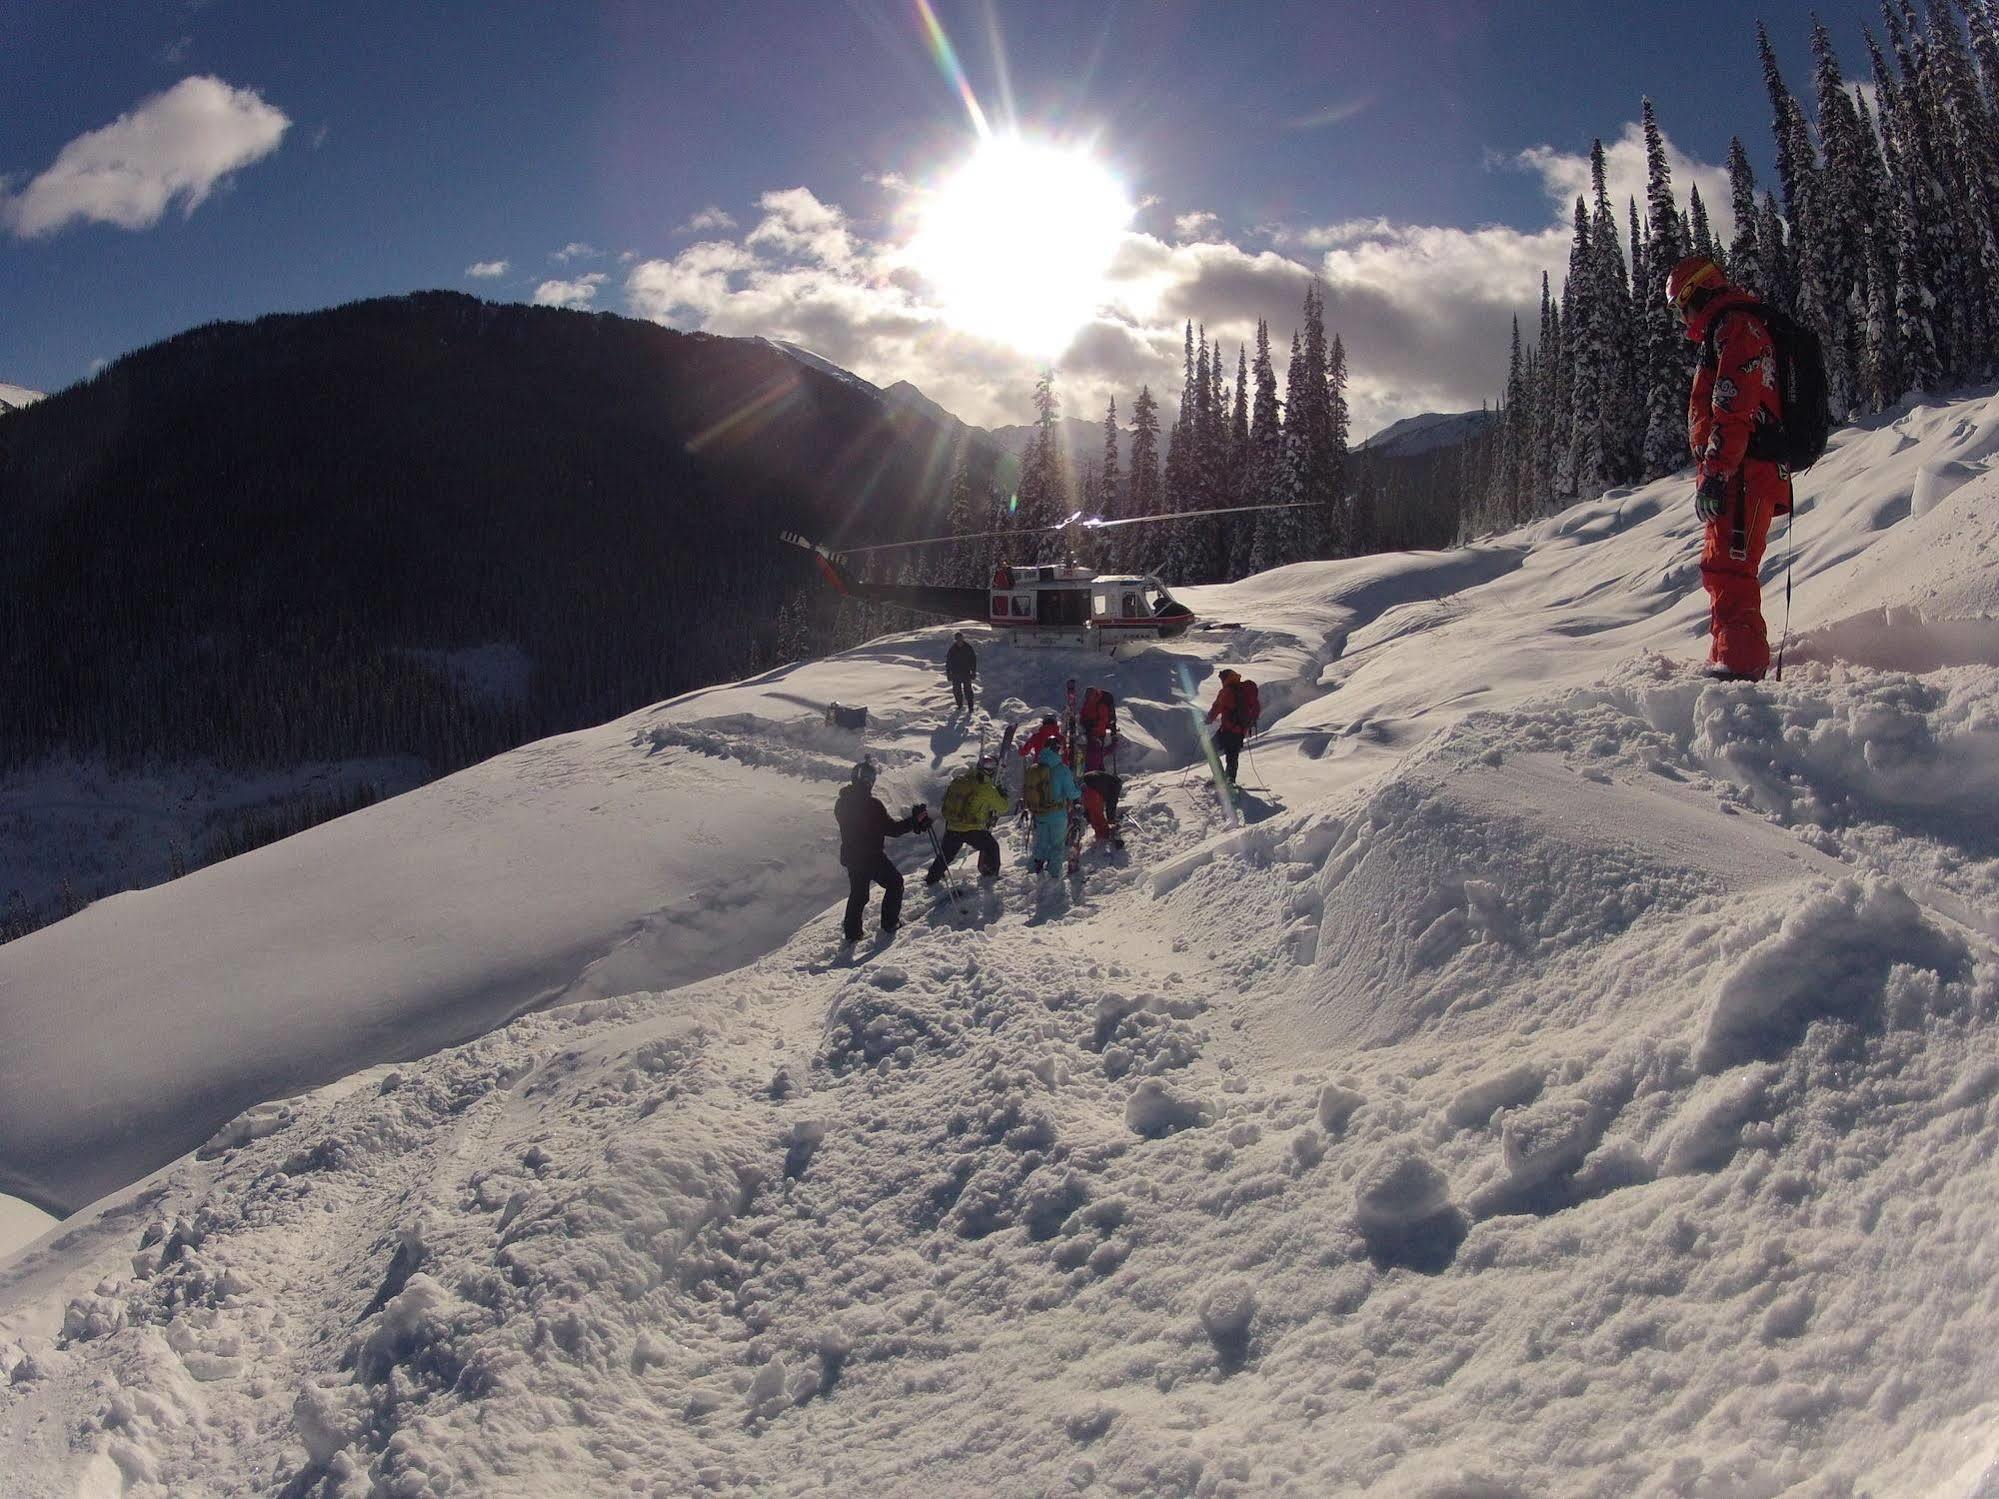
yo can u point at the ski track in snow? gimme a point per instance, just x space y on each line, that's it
1571 1077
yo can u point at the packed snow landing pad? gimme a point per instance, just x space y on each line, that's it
1575 1079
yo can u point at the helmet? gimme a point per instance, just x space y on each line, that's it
865 773
1230 674
988 765
1687 279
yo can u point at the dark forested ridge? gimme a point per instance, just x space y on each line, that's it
248 543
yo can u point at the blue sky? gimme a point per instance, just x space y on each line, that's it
331 152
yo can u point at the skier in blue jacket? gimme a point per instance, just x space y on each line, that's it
1049 791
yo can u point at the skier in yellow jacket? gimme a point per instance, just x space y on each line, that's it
971 804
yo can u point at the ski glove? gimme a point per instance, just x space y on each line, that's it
1712 497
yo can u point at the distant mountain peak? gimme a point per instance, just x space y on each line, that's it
1426 433
14 397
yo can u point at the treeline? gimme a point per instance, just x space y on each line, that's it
259 544
1233 443
1885 240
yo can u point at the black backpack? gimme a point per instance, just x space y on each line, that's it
1799 440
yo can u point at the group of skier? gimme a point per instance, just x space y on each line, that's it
1068 780
1756 414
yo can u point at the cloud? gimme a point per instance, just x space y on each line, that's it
708 218
1333 114
1565 176
1193 225
172 53
575 250
797 223
486 270
578 293
177 146
1424 310
689 288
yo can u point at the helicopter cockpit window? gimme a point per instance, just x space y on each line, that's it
999 606
1131 609
1100 604
1022 607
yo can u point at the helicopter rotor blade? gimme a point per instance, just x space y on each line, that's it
1076 520
1097 523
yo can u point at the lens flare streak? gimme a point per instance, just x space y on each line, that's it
947 63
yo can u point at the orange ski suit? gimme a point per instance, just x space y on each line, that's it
1734 398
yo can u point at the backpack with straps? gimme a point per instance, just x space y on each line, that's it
1034 790
1248 705
1799 440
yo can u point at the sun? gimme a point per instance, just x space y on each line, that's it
1018 242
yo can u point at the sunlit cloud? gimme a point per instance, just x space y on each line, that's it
176 50
1565 176
707 219
1193 225
795 222
580 293
175 147
690 288
1424 310
575 250
486 270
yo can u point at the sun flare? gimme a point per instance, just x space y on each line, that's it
1018 242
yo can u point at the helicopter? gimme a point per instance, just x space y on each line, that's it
1062 604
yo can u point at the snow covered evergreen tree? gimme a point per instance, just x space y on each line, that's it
1970 138
1241 528
1308 418
1914 307
1270 475
1339 428
1043 501
1111 483
1745 260
1549 390
1582 452
1668 357
1142 495
1700 239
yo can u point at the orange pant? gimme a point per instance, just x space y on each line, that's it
1093 808
1737 638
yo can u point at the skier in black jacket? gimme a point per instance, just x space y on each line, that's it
961 664
865 827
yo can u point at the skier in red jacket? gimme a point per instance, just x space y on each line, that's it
1237 707
1733 415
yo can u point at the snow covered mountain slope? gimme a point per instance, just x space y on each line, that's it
1572 1077
1414 435
13 397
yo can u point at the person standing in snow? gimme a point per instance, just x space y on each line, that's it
1236 709
1101 786
865 827
1049 790
972 803
1050 732
1734 420
961 664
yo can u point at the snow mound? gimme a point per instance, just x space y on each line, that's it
1555 1074
1859 951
